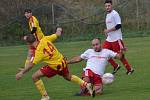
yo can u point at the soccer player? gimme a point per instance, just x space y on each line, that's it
97 59
35 30
33 24
114 37
55 63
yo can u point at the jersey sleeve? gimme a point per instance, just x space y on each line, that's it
34 22
117 18
51 38
85 55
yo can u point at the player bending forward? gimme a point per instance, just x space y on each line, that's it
46 52
97 59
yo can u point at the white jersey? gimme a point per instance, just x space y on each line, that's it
97 61
112 19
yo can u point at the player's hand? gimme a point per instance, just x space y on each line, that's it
123 50
106 31
59 31
24 38
19 75
67 62
20 69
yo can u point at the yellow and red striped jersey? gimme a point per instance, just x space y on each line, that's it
33 22
46 52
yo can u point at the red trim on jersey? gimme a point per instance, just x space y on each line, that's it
33 52
98 57
31 19
32 22
36 37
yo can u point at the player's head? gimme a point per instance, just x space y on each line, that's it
96 44
28 13
108 5
30 39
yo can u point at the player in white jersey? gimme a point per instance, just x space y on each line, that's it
95 67
114 40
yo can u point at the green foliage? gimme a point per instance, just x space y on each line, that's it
11 35
81 19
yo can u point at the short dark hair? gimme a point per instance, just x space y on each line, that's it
98 38
108 1
28 10
30 38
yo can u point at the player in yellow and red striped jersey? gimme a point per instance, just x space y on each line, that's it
46 52
35 30
33 24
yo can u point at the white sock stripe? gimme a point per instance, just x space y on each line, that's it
32 58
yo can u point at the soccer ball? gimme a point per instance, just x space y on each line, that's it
107 78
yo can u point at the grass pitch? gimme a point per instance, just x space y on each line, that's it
134 87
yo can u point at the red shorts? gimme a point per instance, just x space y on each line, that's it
49 72
96 79
114 46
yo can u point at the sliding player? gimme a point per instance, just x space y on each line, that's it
97 59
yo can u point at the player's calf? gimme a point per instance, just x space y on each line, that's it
116 69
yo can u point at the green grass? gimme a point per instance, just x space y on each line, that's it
134 87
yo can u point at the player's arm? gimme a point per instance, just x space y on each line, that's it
34 60
74 60
24 70
33 25
77 59
29 56
34 29
118 24
54 36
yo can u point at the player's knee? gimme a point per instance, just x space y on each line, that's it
68 78
123 57
86 79
34 77
98 88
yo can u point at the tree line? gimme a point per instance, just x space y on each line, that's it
81 19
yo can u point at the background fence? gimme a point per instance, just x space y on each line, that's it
81 19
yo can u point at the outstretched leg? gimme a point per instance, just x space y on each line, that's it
79 81
115 65
39 84
127 65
